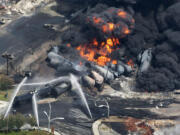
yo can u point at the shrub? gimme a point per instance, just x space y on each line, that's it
15 121
6 82
31 121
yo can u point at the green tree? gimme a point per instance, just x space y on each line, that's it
6 82
15 121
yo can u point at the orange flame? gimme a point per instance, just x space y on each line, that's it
101 53
68 45
122 14
111 26
126 30
95 42
102 60
97 20
130 63
108 27
114 62
109 42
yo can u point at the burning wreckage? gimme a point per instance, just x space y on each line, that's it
109 47
104 44
99 40
99 51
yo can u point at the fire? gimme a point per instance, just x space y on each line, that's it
116 41
87 53
130 63
108 27
102 60
99 52
126 31
95 42
68 45
109 42
114 62
104 28
122 14
112 24
97 20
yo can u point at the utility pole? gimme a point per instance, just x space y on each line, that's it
8 57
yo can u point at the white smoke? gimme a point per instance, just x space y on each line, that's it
4 2
169 131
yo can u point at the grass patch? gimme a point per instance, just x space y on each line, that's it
27 133
3 98
3 93
6 82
